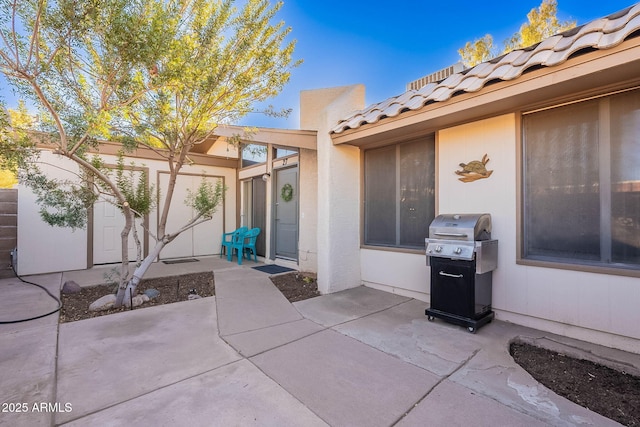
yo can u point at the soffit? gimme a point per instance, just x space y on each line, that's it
280 137
460 95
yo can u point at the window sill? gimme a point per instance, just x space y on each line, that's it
393 249
586 268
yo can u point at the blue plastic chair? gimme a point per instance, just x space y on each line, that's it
229 238
246 245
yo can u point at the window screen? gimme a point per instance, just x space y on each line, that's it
400 194
582 182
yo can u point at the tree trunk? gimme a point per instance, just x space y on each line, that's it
124 292
124 242
137 240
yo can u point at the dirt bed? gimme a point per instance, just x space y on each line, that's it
296 286
609 392
172 289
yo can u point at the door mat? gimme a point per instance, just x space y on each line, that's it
273 269
180 261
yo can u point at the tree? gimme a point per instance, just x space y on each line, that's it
20 120
542 23
158 73
478 51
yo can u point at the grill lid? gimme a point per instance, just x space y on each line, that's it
461 227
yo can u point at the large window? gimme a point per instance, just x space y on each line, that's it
582 182
399 193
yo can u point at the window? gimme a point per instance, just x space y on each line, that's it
253 154
582 182
284 152
399 185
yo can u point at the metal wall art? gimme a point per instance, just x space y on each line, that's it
474 170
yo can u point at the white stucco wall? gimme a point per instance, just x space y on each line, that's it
39 244
338 194
594 307
41 247
397 272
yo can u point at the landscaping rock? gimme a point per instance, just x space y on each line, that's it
152 293
138 300
193 296
104 303
70 287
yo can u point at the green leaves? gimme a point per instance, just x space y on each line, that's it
63 203
478 51
542 23
205 200
158 73
137 192
220 62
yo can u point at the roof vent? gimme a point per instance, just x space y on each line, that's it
435 77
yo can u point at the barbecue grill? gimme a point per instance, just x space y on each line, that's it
462 256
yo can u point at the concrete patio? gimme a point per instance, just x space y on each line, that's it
247 356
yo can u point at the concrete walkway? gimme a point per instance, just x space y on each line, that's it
247 357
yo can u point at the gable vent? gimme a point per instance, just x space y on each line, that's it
438 76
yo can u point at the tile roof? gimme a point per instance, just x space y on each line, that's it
603 33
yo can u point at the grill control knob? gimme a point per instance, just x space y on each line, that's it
438 248
458 251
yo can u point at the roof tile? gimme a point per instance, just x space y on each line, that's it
619 22
603 33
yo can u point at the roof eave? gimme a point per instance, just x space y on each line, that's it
588 72
293 138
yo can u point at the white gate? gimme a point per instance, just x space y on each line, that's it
203 239
108 223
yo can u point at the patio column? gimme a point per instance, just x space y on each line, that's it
338 188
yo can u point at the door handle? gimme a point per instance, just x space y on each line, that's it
455 276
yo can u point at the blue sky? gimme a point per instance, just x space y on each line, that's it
385 45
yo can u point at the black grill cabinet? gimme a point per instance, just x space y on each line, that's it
462 257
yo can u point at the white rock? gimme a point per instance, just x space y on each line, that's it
193 296
104 303
138 300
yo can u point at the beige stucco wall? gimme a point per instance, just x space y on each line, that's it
595 307
314 103
38 243
223 148
308 211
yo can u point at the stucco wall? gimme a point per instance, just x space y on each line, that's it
397 272
39 243
594 307
338 198
308 215
42 248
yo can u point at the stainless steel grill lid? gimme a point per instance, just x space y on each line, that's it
465 227
463 237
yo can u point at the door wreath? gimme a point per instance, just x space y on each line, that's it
287 192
